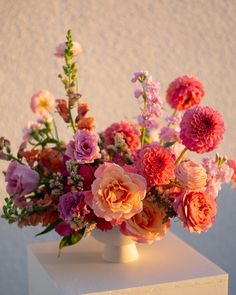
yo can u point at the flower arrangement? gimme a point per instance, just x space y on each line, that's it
134 176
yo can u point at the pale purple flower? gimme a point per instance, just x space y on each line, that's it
168 134
137 75
21 180
138 93
67 205
84 147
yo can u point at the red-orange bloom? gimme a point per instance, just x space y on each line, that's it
86 123
156 164
62 108
51 161
82 110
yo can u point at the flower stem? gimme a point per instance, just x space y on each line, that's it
180 156
55 128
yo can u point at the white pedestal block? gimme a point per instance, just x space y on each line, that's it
168 267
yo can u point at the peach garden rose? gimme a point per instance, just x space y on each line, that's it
116 194
146 226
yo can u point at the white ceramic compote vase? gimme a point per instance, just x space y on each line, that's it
118 248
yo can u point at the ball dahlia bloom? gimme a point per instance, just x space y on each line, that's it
196 210
201 129
191 176
84 147
129 133
60 50
42 104
146 226
184 92
156 164
116 194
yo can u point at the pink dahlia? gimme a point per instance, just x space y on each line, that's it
202 129
129 133
184 92
197 211
156 164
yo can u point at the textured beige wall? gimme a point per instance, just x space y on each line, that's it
167 37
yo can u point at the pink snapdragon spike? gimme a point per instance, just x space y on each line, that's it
184 92
60 50
84 147
216 175
116 194
146 226
196 210
202 129
232 164
42 104
156 164
140 74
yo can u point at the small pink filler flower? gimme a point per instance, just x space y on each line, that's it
184 92
202 129
42 104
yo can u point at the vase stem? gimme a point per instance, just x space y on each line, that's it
120 254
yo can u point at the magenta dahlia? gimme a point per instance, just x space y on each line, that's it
202 129
156 164
184 92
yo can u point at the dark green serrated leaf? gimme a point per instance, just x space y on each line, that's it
49 228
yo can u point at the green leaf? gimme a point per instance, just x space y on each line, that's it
168 144
71 240
49 228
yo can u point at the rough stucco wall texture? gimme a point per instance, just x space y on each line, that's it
168 38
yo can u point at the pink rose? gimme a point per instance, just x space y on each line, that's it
84 147
116 194
146 226
197 211
60 50
21 180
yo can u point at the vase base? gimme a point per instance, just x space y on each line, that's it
120 254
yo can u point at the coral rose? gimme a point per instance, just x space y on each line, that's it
156 164
42 104
116 194
202 129
184 92
146 226
197 211
191 175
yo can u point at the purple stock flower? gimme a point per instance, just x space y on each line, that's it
84 147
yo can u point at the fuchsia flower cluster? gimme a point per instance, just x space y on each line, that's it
127 176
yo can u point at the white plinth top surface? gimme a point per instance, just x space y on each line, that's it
81 270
